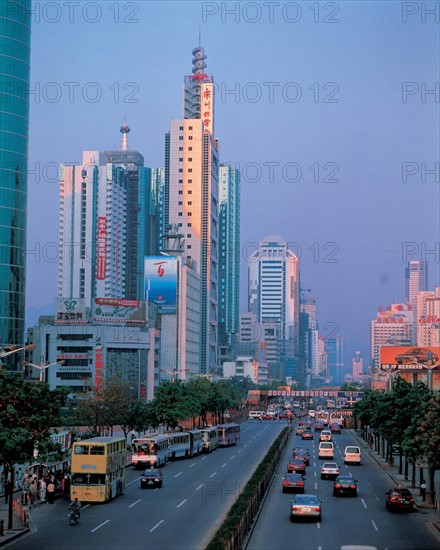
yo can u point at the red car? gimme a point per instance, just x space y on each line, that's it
307 434
399 499
302 455
335 428
296 466
293 482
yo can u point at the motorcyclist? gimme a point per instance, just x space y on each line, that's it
75 505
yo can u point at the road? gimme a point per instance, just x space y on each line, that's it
182 515
361 520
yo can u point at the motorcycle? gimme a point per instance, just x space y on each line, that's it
74 517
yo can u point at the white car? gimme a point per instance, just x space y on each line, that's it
329 470
326 450
325 435
352 455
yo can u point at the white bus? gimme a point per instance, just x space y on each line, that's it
196 438
179 444
150 451
210 439
228 434
338 417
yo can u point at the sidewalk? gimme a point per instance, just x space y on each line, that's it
19 524
399 479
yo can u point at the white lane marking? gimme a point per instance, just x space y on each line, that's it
179 474
200 486
316 486
183 502
156 526
134 481
239 451
314 473
363 502
99 526
318 525
224 465
192 465
134 503
374 525
204 457
214 474
233 456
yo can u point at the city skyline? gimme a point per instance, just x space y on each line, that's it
351 233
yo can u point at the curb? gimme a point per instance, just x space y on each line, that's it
14 536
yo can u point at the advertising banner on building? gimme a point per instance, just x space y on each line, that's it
101 263
406 358
161 282
70 311
114 310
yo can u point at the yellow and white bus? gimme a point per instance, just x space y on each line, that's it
98 469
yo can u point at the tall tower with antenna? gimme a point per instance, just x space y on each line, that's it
124 129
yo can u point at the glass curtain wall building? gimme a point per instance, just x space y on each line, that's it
15 37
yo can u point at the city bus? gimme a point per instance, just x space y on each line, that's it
196 439
150 451
322 415
338 417
228 434
210 439
179 444
98 469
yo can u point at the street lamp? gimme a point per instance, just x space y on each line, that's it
9 349
41 367
172 373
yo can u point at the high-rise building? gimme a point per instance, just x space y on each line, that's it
358 367
334 347
394 326
274 295
428 320
92 233
416 279
229 255
190 200
15 41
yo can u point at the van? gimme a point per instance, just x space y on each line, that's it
326 450
352 455
256 414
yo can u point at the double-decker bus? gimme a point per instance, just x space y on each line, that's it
179 444
228 434
98 469
150 451
196 439
210 438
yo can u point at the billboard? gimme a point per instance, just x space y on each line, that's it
115 310
70 311
161 282
101 263
410 358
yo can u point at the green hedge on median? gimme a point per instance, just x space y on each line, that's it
225 532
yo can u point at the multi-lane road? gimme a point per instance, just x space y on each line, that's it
187 510
360 520
183 514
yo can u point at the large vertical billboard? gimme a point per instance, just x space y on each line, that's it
161 282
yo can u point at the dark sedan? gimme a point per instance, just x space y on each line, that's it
307 434
345 485
399 499
151 478
302 455
293 482
296 466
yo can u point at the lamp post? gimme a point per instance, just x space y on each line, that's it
172 373
9 349
42 366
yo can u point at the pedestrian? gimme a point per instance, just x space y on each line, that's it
423 489
51 491
42 490
33 490
8 490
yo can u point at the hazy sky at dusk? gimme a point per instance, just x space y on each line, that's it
316 93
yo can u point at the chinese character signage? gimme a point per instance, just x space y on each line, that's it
207 106
101 262
114 310
161 282
70 311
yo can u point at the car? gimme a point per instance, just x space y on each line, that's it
293 482
352 455
307 434
399 498
302 455
345 485
326 450
417 355
151 477
299 430
296 465
305 506
325 435
335 428
329 470
319 425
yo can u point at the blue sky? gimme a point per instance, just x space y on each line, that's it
316 93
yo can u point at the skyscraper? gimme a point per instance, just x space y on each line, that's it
229 255
274 294
416 279
15 40
191 195
334 347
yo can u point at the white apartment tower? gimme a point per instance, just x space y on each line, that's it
191 195
92 229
